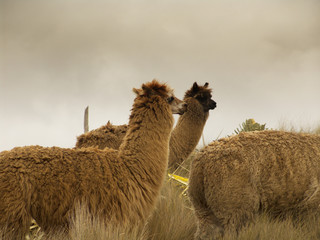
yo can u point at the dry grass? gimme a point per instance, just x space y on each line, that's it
184 168
316 130
85 227
173 218
170 227
302 129
266 228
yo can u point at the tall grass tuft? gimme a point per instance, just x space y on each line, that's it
85 227
173 217
284 126
266 228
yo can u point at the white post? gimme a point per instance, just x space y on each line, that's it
86 119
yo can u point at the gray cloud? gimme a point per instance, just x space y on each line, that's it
261 58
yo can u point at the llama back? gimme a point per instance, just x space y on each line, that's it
109 135
49 181
279 168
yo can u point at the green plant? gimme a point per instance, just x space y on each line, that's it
250 125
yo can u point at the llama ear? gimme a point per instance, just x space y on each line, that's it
195 87
139 92
206 85
146 90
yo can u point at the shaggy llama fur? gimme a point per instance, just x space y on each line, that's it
234 179
120 187
106 136
184 137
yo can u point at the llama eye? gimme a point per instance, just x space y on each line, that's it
170 99
200 98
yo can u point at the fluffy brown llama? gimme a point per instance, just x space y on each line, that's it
188 130
120 187
106 136
184 137
234 179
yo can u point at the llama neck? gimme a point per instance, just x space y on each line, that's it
186 134
146 145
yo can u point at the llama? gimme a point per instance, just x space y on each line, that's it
234 179
184 137
106 136
188 130
120 187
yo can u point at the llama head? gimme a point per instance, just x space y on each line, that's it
203 95
156 90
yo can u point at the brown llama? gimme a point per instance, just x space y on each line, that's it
234 179
188 130
106 136
120 187
184 138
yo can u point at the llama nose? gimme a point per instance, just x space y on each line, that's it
213 105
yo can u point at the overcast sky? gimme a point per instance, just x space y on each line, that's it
262 59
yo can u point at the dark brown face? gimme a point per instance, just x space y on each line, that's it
206 101
203 95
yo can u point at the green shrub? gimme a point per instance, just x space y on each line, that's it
250 125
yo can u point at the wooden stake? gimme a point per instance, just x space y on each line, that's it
86 120
204 144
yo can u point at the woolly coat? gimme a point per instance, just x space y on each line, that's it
106 136
121 187
234 178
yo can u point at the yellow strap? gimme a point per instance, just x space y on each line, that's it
179 179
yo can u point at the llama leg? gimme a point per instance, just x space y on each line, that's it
14 219
224 213
234 222
229 222
237 210
208 226
310 205
50 221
